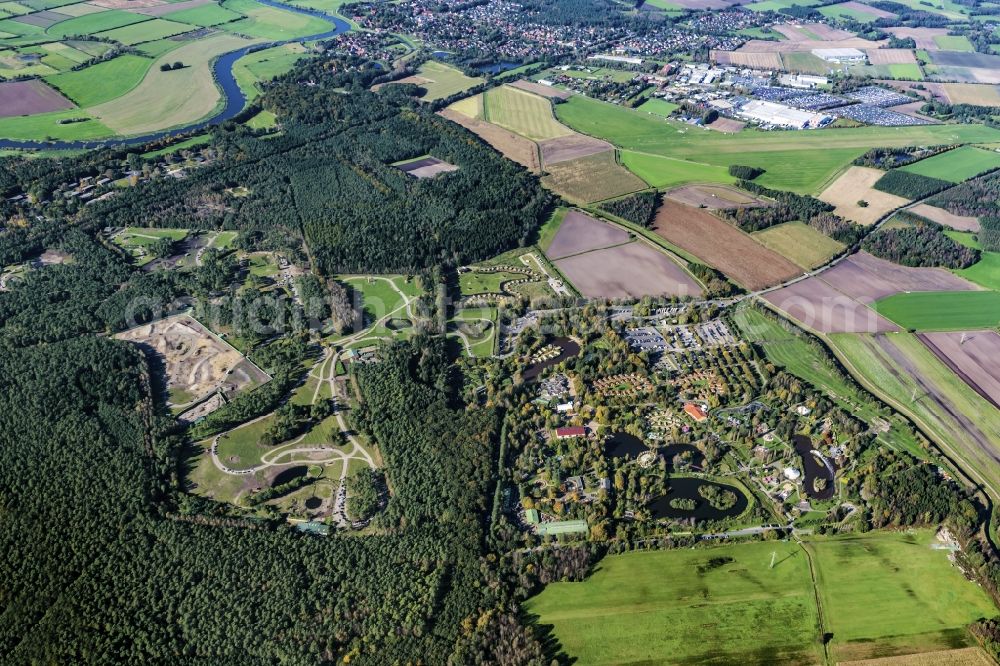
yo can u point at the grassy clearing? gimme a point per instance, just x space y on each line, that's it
883 591
479 326
198 140
985 272
711 605
443 80
263 120
942 310
204 16
841 11
548 231
166 99
524 113
264 65
102 82
953 43
798 161
147 31
799 242
667 172
900 369
271 23
43 126
240 448
910 71
90 24
377 295
777 5
658 107
482 283
956 165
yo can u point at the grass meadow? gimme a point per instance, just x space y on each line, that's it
799 242
956 165
942 310
102 82
524 113
444 81
664 172
798 161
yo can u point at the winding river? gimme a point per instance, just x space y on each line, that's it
222 69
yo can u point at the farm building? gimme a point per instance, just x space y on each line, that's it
695 412
571 431
840 55
772 113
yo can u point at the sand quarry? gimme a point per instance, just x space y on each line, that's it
196 362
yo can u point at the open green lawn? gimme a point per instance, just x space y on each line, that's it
204 16
377 295
103 81
707 605
46 125
798 161
147 31
910 71
264 65
443 80
667 172
243 443
263 120
880 593
956 165
167 99
479 326
799 242
145 236
942 310
945 8
658 107
842 11
271 23
90 24
548 231
198 140
985 272
883 591
953 43
776 5
522 112
481 283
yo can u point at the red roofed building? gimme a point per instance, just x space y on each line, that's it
573 431
695 412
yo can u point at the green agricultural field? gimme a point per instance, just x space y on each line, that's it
942 310
592 178
909 71
901 370
104 81
799 242
985 272
271 23
42 126
800 161
956 165
167 99
796 355
882 592
777 5
663 4
667 172
264 65
841 11
658 107
443 81
707 605
204 16
147 31
523 112
954 43
946 8
90 24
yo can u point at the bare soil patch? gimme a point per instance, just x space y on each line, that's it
868 278
762 46
830 34
580 232
627 271
726 125
972 93
565 148
924 37
42 19
856 185
510 145
972 355
913 109
426 167
541 89
722 246
822 308
591 178
21 98
714 197
890 56
941 216
196 362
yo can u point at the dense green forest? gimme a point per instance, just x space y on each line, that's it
923 243
979 197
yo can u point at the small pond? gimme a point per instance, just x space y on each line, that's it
624 445
813 468
687 488
569 348
314 503
288 475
